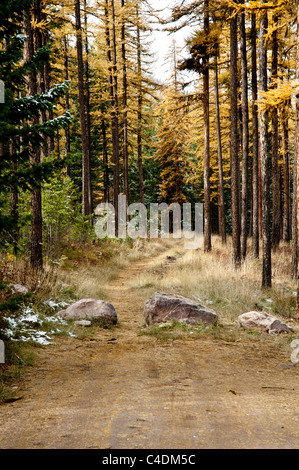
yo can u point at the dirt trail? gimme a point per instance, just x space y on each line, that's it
121 390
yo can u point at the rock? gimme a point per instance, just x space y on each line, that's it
264 322
90 309
163 307
83 322
18 289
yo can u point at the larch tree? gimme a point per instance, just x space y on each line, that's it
86 165
255 145
234 143
276 219
245 135
264 155
206 110
296 179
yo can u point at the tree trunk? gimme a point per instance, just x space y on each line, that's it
296 181
206 113
14 198
245 136
265 160
274 139
115 122
87 104
221 207
105 163
234 157
255 146
36 240
125 109
286 182
139 113
86 180
67 105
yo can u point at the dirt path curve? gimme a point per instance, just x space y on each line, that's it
121 390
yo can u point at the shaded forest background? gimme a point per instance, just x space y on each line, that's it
84 120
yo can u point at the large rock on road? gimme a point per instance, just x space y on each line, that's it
90 309
163 307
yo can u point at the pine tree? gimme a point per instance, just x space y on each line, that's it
24 129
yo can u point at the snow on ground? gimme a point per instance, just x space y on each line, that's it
30 325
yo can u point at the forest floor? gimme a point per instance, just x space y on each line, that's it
121 389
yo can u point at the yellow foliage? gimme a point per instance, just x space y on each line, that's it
279 97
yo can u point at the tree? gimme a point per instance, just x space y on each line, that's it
221 203
172 147
35 156
234 156
255 149
86 168
24 131
296 178
275 169
266 234
125 106
245 135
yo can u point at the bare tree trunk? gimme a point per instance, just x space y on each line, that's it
255 146
286 182
245 136
125 109
221 206
206 112
14 197
86 180
234 157
87 104
115 122
275 168
67 105
296 180
139 113
265 160
105 163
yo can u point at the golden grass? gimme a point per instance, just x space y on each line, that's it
211 279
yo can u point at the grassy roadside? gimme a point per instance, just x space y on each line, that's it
81 272
210 279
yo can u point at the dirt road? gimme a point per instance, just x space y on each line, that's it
121 390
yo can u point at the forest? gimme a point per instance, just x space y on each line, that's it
83 120
86 118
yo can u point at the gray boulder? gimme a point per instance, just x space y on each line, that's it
263 322
90 309
163 307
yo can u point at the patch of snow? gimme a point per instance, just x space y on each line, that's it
19 328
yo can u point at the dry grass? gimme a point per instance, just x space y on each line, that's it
90 279
212 279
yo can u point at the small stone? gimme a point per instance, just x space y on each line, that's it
83 322
18 289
